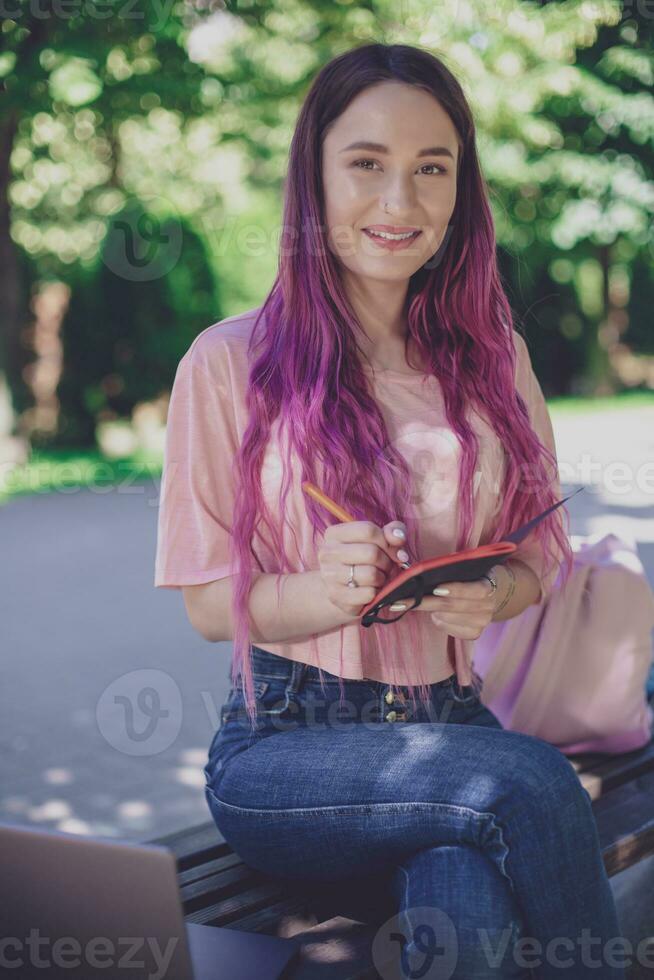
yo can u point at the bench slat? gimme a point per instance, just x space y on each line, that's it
221 874
614 771
197 873
284 919
195 844
253 908
625 823
222 888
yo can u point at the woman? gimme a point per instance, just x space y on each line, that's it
389 375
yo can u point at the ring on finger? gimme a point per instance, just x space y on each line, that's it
493 583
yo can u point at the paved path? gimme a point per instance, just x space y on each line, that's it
80 614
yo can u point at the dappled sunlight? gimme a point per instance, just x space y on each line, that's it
134 809
189 776
194 757
105 814
168 796
50 810
57 777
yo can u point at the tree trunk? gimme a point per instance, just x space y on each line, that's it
602 376
11 313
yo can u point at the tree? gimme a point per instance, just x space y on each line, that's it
131 317
560 91
59 58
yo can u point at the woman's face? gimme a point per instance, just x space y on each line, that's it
419 192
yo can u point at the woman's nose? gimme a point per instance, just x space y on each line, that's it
399 197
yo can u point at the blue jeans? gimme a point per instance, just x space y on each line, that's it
481 837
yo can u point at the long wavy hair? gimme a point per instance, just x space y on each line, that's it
461 323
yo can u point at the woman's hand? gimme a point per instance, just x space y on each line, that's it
374 551
466 611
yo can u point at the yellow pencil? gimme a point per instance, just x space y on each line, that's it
333 507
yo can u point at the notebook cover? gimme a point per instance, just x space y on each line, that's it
460 566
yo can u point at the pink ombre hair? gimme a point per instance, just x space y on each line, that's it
306 371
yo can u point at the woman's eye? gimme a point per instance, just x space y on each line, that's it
440 170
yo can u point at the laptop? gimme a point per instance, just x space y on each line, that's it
89 908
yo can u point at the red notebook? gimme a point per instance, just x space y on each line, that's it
411 584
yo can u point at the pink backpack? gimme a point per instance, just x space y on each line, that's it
573 670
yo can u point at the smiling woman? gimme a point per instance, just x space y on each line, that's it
489 829
425 308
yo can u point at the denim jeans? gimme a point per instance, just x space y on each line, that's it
484 839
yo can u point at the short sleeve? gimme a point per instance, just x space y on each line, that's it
530 551
196 496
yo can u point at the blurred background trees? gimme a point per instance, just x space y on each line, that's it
130 317
143 149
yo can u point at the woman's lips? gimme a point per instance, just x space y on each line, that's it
392 246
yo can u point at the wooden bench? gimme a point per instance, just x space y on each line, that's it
337 923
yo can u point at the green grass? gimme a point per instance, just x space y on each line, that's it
49 470
612 403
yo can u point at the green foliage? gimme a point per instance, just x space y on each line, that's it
190 108
132 316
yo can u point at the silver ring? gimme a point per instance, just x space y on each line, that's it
351 583
489 578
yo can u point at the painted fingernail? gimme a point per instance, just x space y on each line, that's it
398 532
402 555
397 607
440 591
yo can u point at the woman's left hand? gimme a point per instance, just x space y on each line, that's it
465 612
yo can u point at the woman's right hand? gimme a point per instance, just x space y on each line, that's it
374 552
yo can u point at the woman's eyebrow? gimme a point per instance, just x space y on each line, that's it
430 151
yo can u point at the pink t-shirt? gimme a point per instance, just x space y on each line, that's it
206 420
